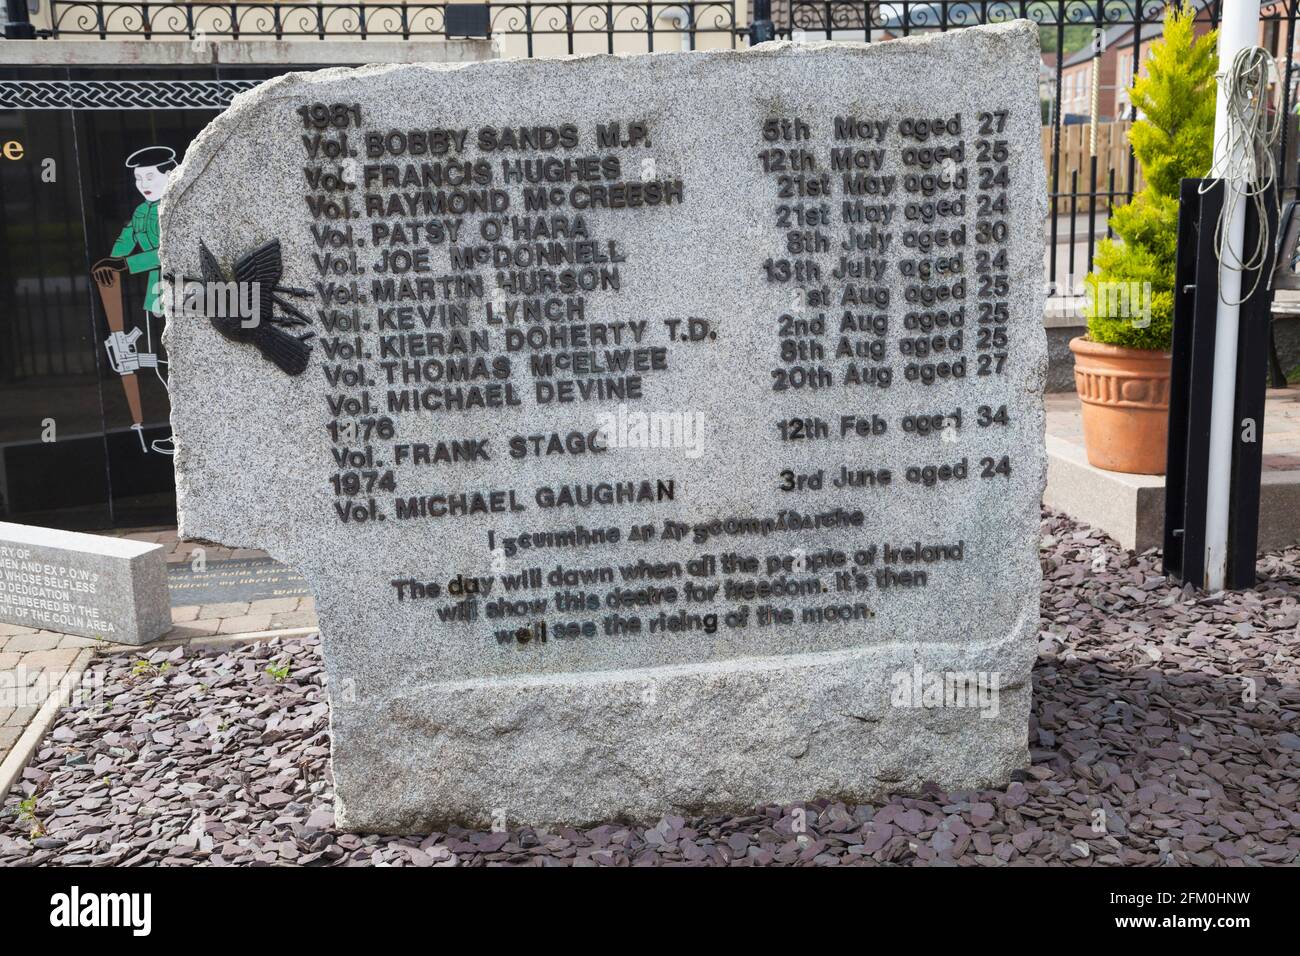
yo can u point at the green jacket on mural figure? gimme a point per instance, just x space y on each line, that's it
142 233
135 252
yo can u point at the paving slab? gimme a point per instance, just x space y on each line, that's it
1132 507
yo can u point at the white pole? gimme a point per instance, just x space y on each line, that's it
1238 29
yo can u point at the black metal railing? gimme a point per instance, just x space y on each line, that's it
607 21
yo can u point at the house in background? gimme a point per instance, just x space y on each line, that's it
1122 49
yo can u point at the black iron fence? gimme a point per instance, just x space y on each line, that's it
608 22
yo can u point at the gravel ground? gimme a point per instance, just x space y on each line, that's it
1164 731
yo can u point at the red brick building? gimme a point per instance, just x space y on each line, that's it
1118 47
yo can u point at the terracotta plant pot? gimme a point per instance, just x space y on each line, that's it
1125 396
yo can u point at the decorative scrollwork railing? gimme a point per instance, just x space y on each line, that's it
886 20
685 20
1112 21
198 21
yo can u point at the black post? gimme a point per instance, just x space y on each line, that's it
761 27
19 25
1196 300
1196 287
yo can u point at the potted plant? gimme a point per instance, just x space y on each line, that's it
1121 367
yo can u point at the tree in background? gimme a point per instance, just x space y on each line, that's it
1173 140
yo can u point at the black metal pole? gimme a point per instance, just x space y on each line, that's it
19 25
761 27
1196 297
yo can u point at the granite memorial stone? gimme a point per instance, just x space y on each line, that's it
655 433
83 584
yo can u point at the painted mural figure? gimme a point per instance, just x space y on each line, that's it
135 252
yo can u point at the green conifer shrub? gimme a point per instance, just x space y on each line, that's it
1173 140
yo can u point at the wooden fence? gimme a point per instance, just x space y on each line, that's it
1112 154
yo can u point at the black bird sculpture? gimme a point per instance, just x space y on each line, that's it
262 269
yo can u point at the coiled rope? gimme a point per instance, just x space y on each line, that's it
1249 167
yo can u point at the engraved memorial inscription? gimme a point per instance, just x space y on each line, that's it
645 417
